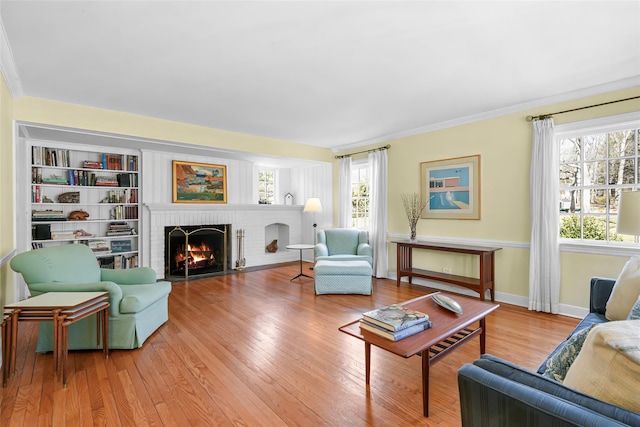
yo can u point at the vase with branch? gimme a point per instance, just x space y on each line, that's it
413 206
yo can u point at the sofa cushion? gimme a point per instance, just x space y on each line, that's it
587 322
560 362
136 298
625 291
634 314
608 367
523 376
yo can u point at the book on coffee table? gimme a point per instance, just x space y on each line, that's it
398 335
395 317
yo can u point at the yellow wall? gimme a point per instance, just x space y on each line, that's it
504 144
44 111
6 191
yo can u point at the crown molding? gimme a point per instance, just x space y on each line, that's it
8 66
542 102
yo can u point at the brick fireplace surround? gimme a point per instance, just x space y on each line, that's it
256 220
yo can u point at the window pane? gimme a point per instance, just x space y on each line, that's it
570 201
621 143
569 150
622 171
595 146
595 173
596 201
570 174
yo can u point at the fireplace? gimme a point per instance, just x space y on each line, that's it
197 250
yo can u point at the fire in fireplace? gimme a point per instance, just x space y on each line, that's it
196 250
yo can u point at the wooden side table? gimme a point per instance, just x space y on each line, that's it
61 308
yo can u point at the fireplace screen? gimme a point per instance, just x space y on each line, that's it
196 250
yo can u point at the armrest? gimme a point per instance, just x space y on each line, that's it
364 249
129 276
115 293
599 294
321 249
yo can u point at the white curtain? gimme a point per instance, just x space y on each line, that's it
378 211
544 258
344 192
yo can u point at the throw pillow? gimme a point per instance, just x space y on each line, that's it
561 361
625 292
634 314
608 367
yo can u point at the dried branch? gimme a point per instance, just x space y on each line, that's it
413 206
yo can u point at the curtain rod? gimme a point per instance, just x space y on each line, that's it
546 116
386 147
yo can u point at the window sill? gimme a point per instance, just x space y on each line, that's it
600 248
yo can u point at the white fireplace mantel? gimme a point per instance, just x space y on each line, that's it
199 207
255 219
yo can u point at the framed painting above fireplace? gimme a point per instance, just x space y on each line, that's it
199 182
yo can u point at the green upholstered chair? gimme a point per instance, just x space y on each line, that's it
138 303
343 244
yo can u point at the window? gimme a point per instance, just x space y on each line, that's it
596 165
267 186
360 201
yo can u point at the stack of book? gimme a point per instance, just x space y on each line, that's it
48 215
394 322
99 246
119 229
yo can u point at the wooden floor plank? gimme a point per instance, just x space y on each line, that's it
255 348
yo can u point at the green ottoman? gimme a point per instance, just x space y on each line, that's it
343 277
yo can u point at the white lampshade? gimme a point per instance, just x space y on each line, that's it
629 213
313 205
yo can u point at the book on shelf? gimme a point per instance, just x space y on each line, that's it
395 317
397 335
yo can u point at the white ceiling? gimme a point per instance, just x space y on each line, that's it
335 74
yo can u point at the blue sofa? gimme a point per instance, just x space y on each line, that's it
494 392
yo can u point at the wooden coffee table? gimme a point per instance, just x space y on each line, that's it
448 332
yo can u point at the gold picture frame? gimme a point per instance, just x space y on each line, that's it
451 187
199 182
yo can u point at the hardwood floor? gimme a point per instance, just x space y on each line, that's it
255 349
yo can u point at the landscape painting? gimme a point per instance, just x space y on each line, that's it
452 187
199 183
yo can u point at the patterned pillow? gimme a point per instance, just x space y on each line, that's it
560 362
634 314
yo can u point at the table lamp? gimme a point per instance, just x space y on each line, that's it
313 205
629 213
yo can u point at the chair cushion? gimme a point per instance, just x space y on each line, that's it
344 268
136 298
342 241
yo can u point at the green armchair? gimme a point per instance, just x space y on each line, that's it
138 303
343 244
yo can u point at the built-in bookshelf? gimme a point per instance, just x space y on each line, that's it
86 196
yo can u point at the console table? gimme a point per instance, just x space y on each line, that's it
484 281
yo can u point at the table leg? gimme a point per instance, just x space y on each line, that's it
64 332
15 314
483 328
301 273
56 341
6 348
426 362
367 362
105 331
